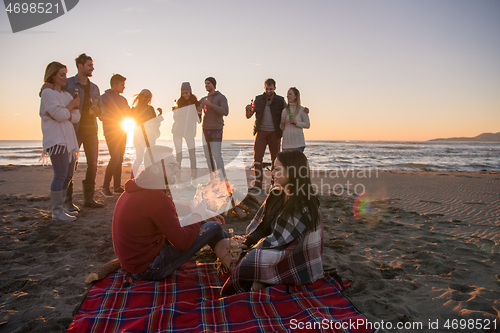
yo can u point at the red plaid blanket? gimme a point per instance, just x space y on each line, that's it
188 301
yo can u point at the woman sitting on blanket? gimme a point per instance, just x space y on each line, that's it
148 238
285 238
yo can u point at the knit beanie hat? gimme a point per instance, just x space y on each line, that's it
211 80
186 86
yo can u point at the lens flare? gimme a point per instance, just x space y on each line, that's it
367 209
128 125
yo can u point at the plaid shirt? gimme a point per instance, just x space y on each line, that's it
289 255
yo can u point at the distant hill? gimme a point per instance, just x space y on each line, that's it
481 137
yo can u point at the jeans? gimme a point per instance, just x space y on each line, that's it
263 139
91 148
170 258
140 146
301 149
64 167
191 149
116 146
212 147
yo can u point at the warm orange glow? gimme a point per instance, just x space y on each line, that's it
128 125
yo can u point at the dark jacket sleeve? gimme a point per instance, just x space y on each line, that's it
273 206
263 230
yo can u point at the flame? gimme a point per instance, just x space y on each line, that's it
218 195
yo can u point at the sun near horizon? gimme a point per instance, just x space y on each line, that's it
237 127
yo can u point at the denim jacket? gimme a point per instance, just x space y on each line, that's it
73 83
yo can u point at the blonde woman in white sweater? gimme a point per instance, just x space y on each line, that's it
59 111
294 119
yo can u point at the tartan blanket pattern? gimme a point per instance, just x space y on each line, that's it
289 255
189 301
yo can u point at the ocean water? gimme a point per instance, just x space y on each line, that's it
322 155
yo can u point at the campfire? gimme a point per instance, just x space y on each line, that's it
223 197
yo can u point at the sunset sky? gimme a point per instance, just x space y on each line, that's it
367 70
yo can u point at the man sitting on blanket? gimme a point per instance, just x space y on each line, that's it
148 238
287 232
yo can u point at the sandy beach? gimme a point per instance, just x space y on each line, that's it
429 256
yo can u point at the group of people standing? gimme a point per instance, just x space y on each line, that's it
278 123
188 112
69 109
276 119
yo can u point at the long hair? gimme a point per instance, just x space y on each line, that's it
52 70
181 102
145 94
299 188
297 101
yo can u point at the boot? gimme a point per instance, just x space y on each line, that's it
194 174
68 202
88 196
178 177
58 214
70 213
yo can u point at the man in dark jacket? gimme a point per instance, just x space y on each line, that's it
117 110
86 130
267 109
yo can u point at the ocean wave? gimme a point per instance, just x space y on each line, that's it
6 151
491 150
21 157
323 155
243 145
418 166
489 166
400 148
